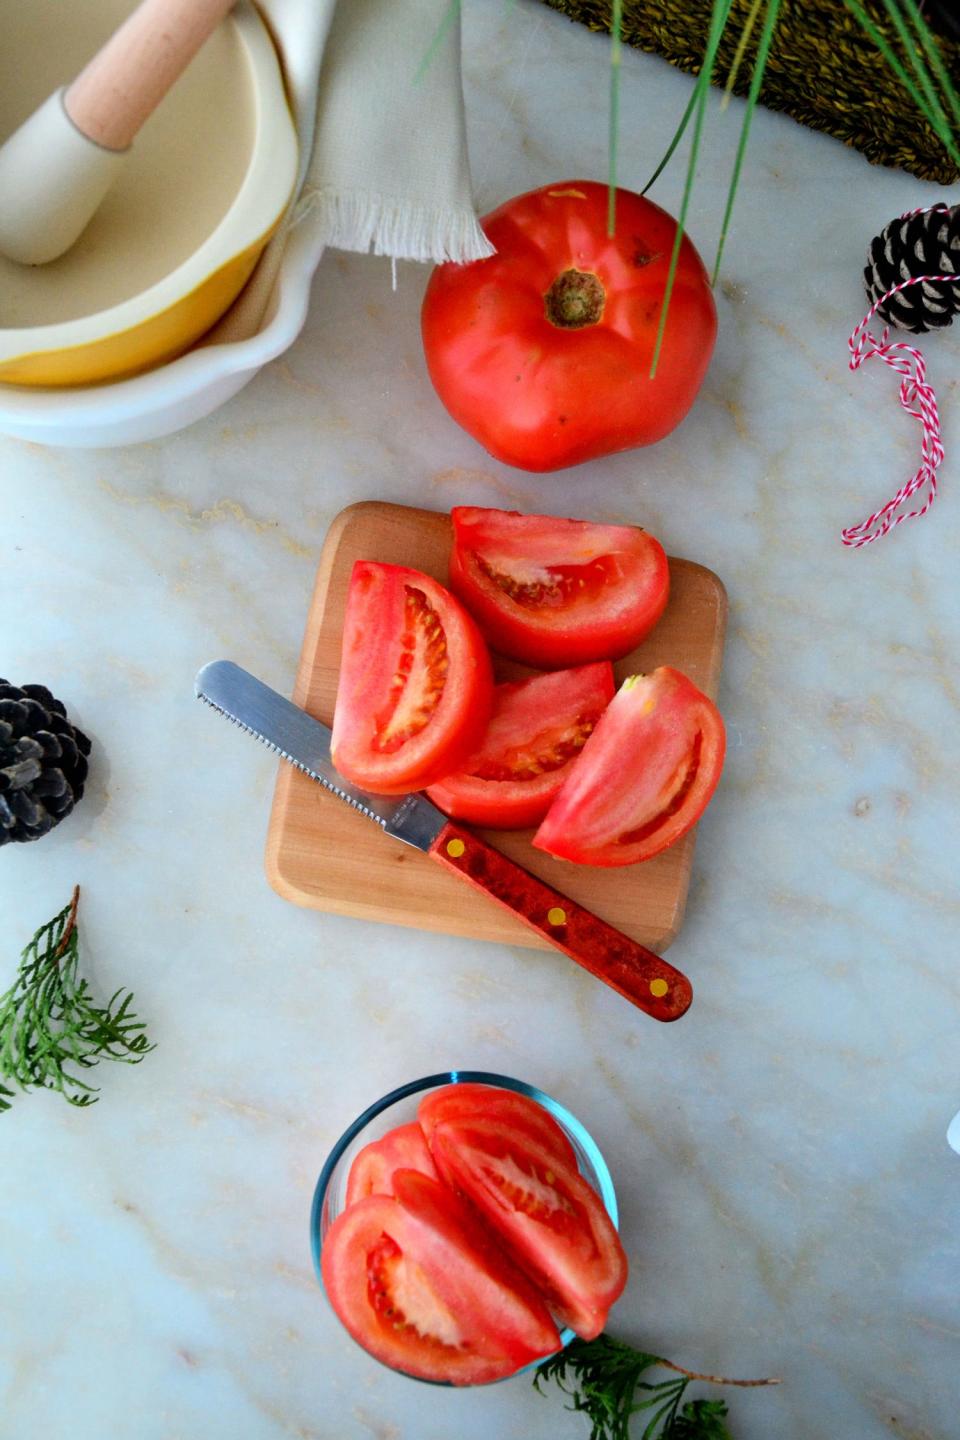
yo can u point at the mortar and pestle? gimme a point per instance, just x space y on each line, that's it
116 256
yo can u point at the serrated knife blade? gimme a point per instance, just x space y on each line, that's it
640 976
305 743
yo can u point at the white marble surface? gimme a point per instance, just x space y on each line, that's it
789 1200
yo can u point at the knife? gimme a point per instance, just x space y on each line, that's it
634 972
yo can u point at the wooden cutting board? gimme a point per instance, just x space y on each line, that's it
322 854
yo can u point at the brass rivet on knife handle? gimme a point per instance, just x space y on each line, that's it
634 972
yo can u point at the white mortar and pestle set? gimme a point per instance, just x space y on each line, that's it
133 209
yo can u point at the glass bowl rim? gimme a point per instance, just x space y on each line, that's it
565 1117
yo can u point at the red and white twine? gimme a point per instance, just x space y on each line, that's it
916 397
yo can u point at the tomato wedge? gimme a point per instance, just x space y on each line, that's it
544 1212
470 1101
538 728
644 777
420 1285
554 592
402 1148
416 685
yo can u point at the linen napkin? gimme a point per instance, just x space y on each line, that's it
376 96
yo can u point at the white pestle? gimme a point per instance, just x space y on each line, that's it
56 169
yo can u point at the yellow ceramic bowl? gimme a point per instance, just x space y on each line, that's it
177 238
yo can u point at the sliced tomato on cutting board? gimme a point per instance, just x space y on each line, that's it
543 1211
468 1100
537 729
415 688
644 777
402 1148
419 1284
556 593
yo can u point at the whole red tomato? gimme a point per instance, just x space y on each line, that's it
543 351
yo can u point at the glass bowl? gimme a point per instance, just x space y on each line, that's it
399 1108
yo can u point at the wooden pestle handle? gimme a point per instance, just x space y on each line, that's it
125 81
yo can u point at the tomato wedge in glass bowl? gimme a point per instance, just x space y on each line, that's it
550 1126
555 593
415 687
548 1217
644 777
491 1102
537 729
402 1148
418 1283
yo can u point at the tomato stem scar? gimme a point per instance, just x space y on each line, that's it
575 299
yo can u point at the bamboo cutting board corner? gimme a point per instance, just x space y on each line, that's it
322 854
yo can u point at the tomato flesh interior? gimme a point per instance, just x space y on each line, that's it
543 1211
525 1189
397 1287
557 593
538 728
645 775
415 687
546 752
420 676
687 778
550 586
419 1281
468 1100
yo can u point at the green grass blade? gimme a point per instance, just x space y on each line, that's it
677 137
616 25
918 65
718 19
740 51
756 80
935 57
439 35
883 45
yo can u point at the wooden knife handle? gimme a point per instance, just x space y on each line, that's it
634 972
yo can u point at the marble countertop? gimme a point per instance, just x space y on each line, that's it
788 1197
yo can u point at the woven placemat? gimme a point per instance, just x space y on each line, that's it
822 69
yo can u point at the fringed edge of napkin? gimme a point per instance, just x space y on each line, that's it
362 220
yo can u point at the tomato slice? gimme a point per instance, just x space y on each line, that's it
416 687
402 1148
547 1216
469 1101
420 1285
644 777
538 728
557 592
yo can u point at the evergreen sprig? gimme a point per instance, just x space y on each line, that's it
605 1380
49 1025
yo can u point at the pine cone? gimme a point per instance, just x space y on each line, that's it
925 244
43 762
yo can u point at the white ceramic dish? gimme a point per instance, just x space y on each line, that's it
175 395
58 321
